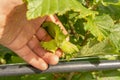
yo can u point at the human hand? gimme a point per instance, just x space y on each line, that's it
23 36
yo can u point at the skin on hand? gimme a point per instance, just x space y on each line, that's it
23 36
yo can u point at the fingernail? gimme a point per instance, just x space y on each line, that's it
53 60
43 66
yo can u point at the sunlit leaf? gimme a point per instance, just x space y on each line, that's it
37 8
97 48
50 45
99 26
115 36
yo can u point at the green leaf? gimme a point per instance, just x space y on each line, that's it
10 78
4 50
93 48
68 47
110 75
115 36
86 76
38 77
37 8
55 32
16 59
99 26
50 45
108 2
2 61
111 9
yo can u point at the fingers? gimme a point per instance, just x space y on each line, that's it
38 22
59 52
34 45
30 57
42 35
50 58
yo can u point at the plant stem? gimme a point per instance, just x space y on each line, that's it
85 39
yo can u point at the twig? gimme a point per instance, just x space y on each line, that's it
86 38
